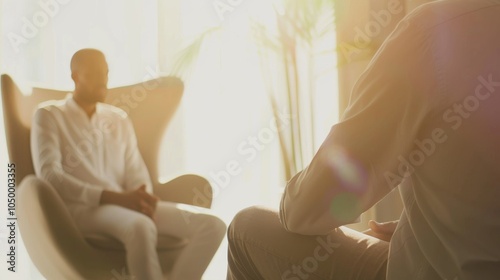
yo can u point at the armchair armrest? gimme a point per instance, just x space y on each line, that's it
188 189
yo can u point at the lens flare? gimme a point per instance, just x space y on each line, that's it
351 175
345 207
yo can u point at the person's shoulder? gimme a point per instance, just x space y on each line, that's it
50 106
50 109
433 14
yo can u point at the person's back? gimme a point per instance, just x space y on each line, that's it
423 116
451 225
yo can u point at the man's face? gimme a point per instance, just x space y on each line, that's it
91 79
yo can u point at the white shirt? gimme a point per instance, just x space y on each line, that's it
81 157
426 114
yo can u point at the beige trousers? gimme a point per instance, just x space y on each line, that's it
139 235
260 248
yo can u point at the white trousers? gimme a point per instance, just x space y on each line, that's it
139 235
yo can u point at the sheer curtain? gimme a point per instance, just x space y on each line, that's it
223 129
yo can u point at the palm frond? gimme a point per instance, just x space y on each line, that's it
188 56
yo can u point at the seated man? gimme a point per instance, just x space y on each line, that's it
424 116
104 182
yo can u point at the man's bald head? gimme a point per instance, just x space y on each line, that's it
84 57
89 71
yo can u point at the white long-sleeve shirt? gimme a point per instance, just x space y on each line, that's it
425 115
81 156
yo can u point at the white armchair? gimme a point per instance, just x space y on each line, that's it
53 242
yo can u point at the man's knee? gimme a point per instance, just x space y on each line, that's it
142 228
215 225
247 221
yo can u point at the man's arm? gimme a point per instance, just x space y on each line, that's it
136 172
348 174
47 162
138 200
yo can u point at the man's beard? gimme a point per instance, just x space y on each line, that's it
94 95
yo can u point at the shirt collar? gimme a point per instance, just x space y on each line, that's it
74 107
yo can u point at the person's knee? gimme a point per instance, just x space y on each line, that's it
214 225
142 228
219 226
245 221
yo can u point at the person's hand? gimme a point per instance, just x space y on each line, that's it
383 231
141 201
138 200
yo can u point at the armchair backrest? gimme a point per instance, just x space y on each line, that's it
150 106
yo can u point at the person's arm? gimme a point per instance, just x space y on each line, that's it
349 172
47 162
136 172
138 200
137 184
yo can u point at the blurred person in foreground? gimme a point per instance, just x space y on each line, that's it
423 117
